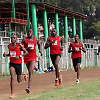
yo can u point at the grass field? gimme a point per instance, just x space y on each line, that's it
82 91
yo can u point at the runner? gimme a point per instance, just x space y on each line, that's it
55 53
30 59
98 50
15 61
76 54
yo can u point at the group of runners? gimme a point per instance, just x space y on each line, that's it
28 46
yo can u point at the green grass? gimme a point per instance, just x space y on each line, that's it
8 75
4 76
82 91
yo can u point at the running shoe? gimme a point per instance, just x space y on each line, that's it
60 80
28 90
12 96
77 81
56 83
36 69
25 76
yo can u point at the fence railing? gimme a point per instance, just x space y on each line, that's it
89 58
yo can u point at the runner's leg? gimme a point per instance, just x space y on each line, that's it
12 72
30 68
20 78
56 66
78 70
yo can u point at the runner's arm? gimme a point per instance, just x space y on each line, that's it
4 55
69 50
39 47
23 49
98 51
23 42
61 41
83 49
48 44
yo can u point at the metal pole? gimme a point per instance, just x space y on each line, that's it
13 13
10 29
34 20
46 36
27 11
74 27
2 29
80 30
66 28
81 37
25 30
34 24
66 37
57 23
13 9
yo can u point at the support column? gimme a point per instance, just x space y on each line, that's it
80 30
34 20
13 14
10 29
46 36
13 9
66 38
57 23
74 27
34 24
2 29
27 11
66 27
66 31
25 30
81 39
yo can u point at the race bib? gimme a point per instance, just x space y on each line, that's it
12 53
55 43
31 45
77 48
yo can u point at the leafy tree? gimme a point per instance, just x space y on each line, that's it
98 12
90 8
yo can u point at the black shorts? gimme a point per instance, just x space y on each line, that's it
76 60
17 67
53 57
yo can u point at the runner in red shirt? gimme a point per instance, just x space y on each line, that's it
75 48
15 61
30 59
55 53
98 50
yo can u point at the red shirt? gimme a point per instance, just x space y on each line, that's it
76 54
55 47
31 52
13 53
99 47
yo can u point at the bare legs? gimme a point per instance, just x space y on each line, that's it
12 72
30 68
19 79
56 67
77 69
